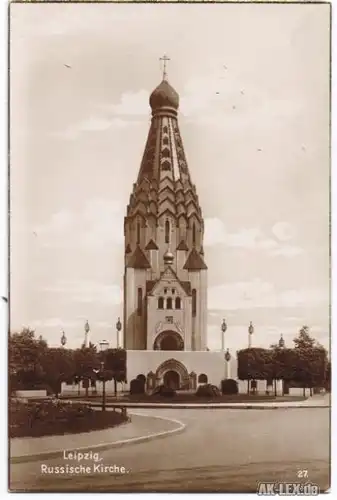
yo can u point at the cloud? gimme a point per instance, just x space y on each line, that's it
287 251
56 323
247 238
261 294
132 104
87 292
283 231
96 124
208 99
60 222
98 224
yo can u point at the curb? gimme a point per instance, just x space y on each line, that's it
210 406
104 446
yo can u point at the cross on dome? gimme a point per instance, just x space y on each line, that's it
164 59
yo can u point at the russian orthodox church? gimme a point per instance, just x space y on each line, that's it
165 278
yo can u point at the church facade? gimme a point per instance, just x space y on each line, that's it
165 276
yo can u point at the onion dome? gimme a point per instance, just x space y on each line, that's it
168 258
164 96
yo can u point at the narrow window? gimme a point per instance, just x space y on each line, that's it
140 302
173 291
169 303
165 290
194 302
138 233
178 303
193 234
160 303
167 232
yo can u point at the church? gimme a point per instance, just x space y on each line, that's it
165 266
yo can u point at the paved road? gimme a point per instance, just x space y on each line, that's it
221 450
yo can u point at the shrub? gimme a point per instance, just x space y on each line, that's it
137 386
202 379
163 390
229 386
53 417
207 391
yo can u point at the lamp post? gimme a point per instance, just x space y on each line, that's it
63 339
223 331
118 329
281 345
228 358
104 344
250 333
86 330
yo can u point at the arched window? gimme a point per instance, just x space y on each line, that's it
165 141
138 233
178 303
194 302
165 153
169 303
160 303
166 165
139 301
193 234
167 232
165 130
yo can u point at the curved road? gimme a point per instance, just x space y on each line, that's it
220 450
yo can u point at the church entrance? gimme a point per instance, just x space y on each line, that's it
172 379
168 341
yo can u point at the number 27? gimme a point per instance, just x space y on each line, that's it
302 473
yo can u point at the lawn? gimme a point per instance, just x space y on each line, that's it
55 417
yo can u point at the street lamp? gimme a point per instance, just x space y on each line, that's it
250 333
118 329
63 339
86 330
104 345
228 357
223 331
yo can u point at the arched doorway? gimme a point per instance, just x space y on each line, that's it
174 372
172 379
168 341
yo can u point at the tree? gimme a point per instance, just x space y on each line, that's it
255 364
25 353
115 361
328 377
303 340
85 361
312 360
58 366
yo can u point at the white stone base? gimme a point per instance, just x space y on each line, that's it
209 363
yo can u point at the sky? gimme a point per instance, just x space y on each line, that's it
253 82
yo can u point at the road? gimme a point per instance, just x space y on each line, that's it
220 450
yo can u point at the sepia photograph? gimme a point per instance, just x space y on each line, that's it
169 253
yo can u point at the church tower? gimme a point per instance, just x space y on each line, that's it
165 278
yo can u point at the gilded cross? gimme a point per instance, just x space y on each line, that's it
164 59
